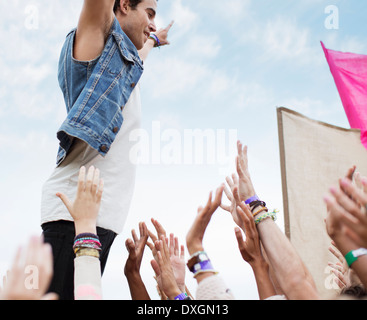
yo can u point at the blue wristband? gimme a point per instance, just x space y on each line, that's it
181 296
155 38
254 198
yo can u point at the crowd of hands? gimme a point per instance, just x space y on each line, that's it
267 250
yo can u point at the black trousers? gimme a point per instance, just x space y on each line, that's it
60 235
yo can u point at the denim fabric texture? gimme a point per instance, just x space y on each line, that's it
96 91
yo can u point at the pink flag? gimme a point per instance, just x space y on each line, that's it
350 75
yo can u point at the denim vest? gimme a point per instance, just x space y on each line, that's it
96 91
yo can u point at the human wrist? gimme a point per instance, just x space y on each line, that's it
133 276
151 42
250 198
353 255
200 265
201 276
131 271
343 243
181 287
259 264
173 293
85 226
193 247
155 40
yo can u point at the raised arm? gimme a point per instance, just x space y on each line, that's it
346 224
94 24
158 39
291 274
135 247
84 210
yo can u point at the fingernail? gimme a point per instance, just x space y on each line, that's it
332 190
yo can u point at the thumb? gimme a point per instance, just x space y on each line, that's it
130 246
68 204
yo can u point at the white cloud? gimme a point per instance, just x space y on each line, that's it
202 46
234 11
185 19
29 56
351 44
284 39
180 76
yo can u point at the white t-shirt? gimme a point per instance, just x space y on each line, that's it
116 169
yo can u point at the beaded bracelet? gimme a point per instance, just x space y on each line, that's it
260 210
82 241
87 240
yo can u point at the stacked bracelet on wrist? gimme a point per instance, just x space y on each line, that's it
156 40
199 262
87 244
259 210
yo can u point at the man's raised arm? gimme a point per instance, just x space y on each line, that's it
94 24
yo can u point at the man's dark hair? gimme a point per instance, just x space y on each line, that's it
356 291
133 4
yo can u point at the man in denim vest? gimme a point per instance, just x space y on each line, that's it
99 71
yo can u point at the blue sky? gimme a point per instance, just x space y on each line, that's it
229 65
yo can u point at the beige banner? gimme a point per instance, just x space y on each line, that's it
313 156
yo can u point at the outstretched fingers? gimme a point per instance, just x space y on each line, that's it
169 26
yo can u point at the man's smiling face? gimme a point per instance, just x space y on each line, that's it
139 22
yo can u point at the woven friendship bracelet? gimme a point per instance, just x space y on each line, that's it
266 215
